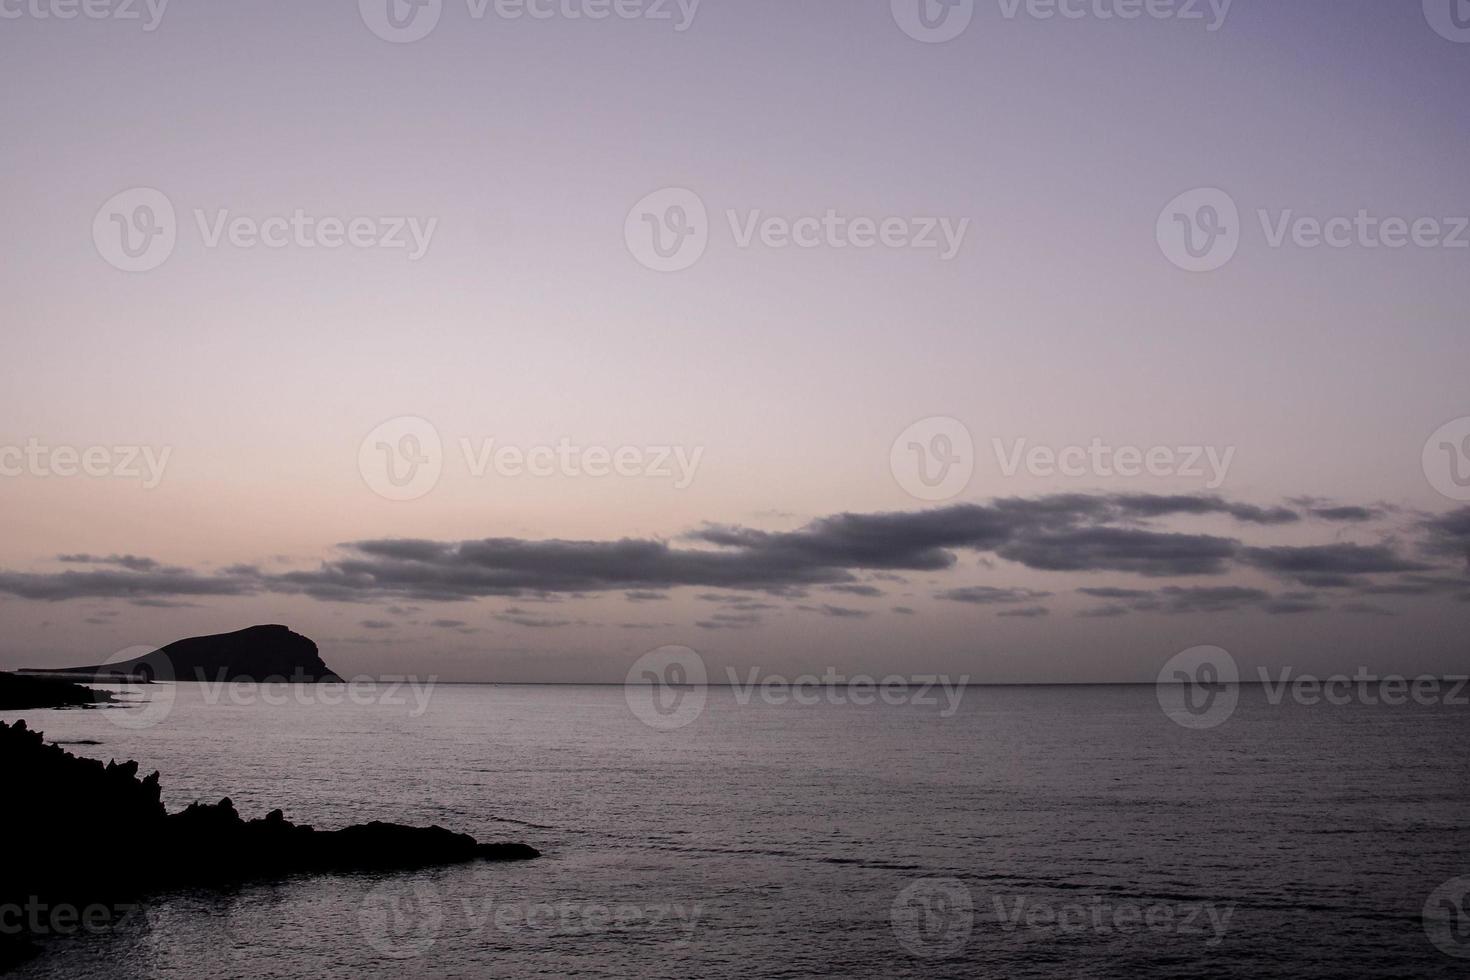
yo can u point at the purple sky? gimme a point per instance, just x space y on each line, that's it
518 149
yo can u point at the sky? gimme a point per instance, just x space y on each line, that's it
904 337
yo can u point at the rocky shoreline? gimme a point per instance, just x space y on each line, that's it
80 833
22 692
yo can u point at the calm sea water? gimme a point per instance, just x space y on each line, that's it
1036 832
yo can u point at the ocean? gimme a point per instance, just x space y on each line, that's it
1030 832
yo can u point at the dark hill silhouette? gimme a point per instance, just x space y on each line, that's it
79 833
259 653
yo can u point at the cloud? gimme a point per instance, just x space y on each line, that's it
132 563
120 583
1318 563
1027 612
837 612
867 591
1150 553
747 571
377 624
729 621
522 617
984 595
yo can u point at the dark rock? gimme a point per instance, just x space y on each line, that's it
19 692
79 832
259 653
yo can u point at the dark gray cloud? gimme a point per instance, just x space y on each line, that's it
523 617
120 583
1026 612
729 621
132 563
866 591
747 571
1148 505
1366 609
1449 535
837 612
985 595
1315 564
1105 612
1150 553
